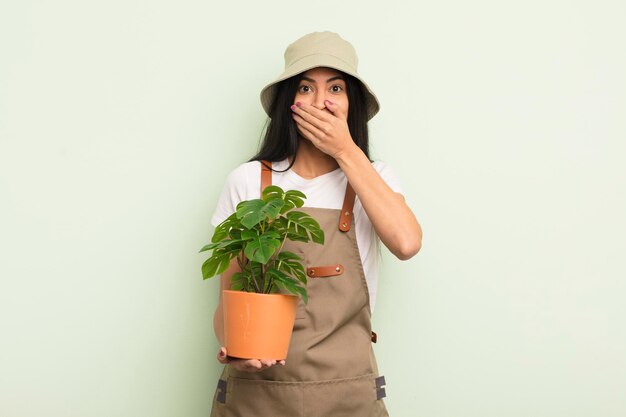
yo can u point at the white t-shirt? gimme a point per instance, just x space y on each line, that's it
324 191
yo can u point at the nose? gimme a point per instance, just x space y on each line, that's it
318 100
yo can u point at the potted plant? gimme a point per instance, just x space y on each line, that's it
261 305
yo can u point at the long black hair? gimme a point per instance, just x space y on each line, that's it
281 138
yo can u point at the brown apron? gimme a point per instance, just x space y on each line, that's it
330 369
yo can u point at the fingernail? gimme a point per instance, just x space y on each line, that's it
329 102
222 353
293 107
298 104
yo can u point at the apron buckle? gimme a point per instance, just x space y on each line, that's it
221 391
380 388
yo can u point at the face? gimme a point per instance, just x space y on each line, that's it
319 84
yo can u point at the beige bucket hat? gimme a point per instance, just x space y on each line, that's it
319 49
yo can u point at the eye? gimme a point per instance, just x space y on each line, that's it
336 88
304 88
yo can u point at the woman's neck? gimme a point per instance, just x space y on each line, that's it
311 162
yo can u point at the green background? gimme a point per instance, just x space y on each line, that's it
119 121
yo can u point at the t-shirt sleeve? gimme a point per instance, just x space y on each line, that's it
389 176
236 189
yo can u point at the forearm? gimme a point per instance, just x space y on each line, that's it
218 323
218 316
391 217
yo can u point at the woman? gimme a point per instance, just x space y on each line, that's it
317 142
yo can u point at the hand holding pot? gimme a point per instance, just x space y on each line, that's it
246 365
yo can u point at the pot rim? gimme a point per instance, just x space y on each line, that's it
258 294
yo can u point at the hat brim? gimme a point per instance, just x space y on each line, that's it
268 93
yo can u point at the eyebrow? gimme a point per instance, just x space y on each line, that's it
337 77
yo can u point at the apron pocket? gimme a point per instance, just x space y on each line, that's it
349 397
344 398
315 272
253 397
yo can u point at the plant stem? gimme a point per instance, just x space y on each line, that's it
263 277
254 282
242 266
260 285
271 283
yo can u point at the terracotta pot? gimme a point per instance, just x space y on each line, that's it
258 326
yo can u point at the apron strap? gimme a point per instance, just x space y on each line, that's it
345 219
266 175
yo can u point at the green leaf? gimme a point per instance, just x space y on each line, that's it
220 258
254 212
235 234
262 247
222 229
291 264
279 276
252 271
288 256
302 221
293 199
273 208
303 293
288 283
210 246
273 192
229 244
217 263
249 234
250 212
294 233
237 281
